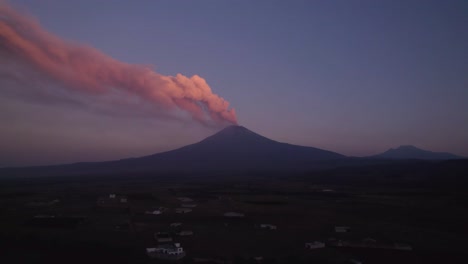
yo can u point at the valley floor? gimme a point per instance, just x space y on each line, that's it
432 223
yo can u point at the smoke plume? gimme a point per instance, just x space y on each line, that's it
87 70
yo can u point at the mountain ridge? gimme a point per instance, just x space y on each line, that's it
234 148
412 152
237 145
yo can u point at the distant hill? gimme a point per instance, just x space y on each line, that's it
412 152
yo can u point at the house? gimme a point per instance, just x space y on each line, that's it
369 240
166 251
163 237
112 200
189 205
337 242
153 212
185 233
43 203
268 226
218 260
176 224
233 214
258 259
185 199
342 229
314 245
44 216
401 246
123 226
368 243
53 221
122 199
183 210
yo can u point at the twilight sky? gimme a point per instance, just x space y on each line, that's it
355 77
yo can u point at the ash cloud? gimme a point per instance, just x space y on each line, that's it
51 69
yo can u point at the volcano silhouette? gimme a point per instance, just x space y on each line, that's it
233 148
236 146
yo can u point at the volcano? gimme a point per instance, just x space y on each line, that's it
231 149
236 147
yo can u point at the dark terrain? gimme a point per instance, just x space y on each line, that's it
420 204
63 214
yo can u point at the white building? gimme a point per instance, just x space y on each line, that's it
43 203
44 216
342 229
268 226
314 245
163 237
166 251
154 212
233 214
185 199
112 200
176 224
189 205
183 210
185 233
401 246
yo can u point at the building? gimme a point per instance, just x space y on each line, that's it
368 243
167 251
185 233
43 203
369 240
112 200
268 226
42 216
163 237
183 210
258 259
342 229
154 212
401 246
233 214
176 224
189 205
185 199
314 245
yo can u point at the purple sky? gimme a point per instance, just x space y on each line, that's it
355 77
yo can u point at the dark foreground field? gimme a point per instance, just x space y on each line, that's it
427 214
